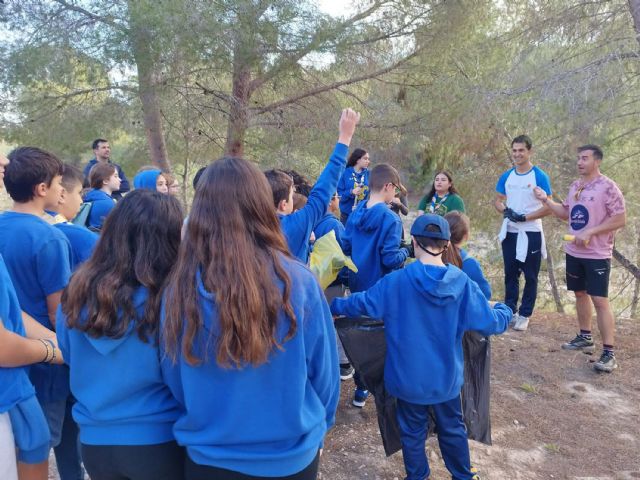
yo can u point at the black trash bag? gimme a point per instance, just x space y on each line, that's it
364 343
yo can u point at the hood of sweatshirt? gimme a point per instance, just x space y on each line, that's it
105 345
146 179
368 219
439 284
95 195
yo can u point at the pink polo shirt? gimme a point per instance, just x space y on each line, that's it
599 200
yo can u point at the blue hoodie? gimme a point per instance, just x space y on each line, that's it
101 205
268 420
372 238
124 183
147 179
14 381
117 382
349 180
426 310
472 268
326 224
297 226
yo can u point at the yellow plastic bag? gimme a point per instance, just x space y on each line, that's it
327 259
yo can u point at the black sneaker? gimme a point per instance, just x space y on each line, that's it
607 362
580 343
346 372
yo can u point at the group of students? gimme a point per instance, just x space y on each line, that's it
211 353
105 187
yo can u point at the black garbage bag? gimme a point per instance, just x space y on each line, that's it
364 343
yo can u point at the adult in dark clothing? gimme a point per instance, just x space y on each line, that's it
102 154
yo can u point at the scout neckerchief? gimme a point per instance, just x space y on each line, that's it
435 204
358 181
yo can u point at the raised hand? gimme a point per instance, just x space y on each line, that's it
348 121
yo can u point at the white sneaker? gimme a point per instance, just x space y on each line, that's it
521 323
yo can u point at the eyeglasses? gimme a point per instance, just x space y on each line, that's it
578 192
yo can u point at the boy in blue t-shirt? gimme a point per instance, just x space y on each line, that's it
81 239
372 237
22 423
424 330
37 257
297 226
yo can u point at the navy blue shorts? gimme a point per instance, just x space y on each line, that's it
588 274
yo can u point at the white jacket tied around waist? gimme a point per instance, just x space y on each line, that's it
522 243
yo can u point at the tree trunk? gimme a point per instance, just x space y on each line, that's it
239 108
634 7
554 284
636 286
141 39
626 263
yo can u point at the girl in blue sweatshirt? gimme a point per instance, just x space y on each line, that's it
248 344
353 186
104 180
107 328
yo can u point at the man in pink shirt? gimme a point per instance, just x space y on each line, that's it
595 210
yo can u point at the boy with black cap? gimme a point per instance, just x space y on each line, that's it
427 307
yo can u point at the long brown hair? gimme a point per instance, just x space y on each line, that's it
459 226
234 244
137 247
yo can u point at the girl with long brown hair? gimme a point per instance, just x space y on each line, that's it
248 338
108 333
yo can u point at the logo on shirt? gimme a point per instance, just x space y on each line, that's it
579 217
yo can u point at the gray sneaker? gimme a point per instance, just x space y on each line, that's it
580 343
607 363
521 323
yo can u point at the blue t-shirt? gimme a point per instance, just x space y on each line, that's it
14 382
37 256
82 241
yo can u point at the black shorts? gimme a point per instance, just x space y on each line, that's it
588 274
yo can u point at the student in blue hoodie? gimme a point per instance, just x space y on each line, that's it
104 180
248 339
372 237
330 221
297 226
36 256
24 433
423 330
151 178
82 241
460 227
107 329
353 186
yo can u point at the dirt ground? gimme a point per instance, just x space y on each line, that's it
553 416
